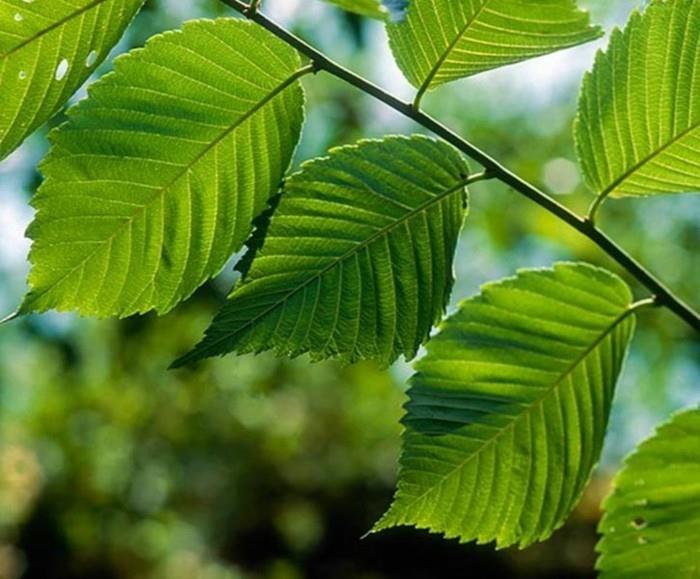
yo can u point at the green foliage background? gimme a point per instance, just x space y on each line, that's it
253 467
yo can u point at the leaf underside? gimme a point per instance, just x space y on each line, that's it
357 259
47 50
651 528
508 409
638 126
154 181
444 40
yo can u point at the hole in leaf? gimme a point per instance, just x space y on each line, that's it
62 69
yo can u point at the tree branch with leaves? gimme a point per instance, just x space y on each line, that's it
180 158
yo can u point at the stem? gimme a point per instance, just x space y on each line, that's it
662 295
252 8
419 97
642 304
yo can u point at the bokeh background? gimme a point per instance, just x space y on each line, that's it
252 467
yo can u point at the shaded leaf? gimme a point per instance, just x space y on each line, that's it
638 127
357 260
651 528
47 50
154 181
444 40
508 409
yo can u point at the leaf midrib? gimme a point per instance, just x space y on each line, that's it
158 196
52 27
535 404
648 159
438 65
197 354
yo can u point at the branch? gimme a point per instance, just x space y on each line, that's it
662 295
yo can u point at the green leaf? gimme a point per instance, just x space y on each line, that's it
652 523
357 260
638 126
154 182
371 8
508 409
444 40
47 50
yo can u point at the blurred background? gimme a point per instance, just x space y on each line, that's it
257 468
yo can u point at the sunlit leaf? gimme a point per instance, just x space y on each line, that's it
155 180
47 50
638 128
357 260
651 529
443 40
508 409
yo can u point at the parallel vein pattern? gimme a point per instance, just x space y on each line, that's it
47 50
444 40
638 127
508 409
357 259
651 528
155 180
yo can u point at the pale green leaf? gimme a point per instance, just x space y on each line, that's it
357 260
638 127
154 181
651 526
371 8
508 409
443 40
48 48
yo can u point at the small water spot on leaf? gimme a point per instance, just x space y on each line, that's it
91 59
62 69
639 523
18 17
642 540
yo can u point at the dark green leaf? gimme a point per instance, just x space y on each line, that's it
357 260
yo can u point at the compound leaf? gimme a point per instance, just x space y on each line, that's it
47 50
638 126
651 528
508 409
444 40
357 260
154 181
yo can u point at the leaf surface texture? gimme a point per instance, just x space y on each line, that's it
357 260
440 41
651 528
154 181
508 409
48 48
638 127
